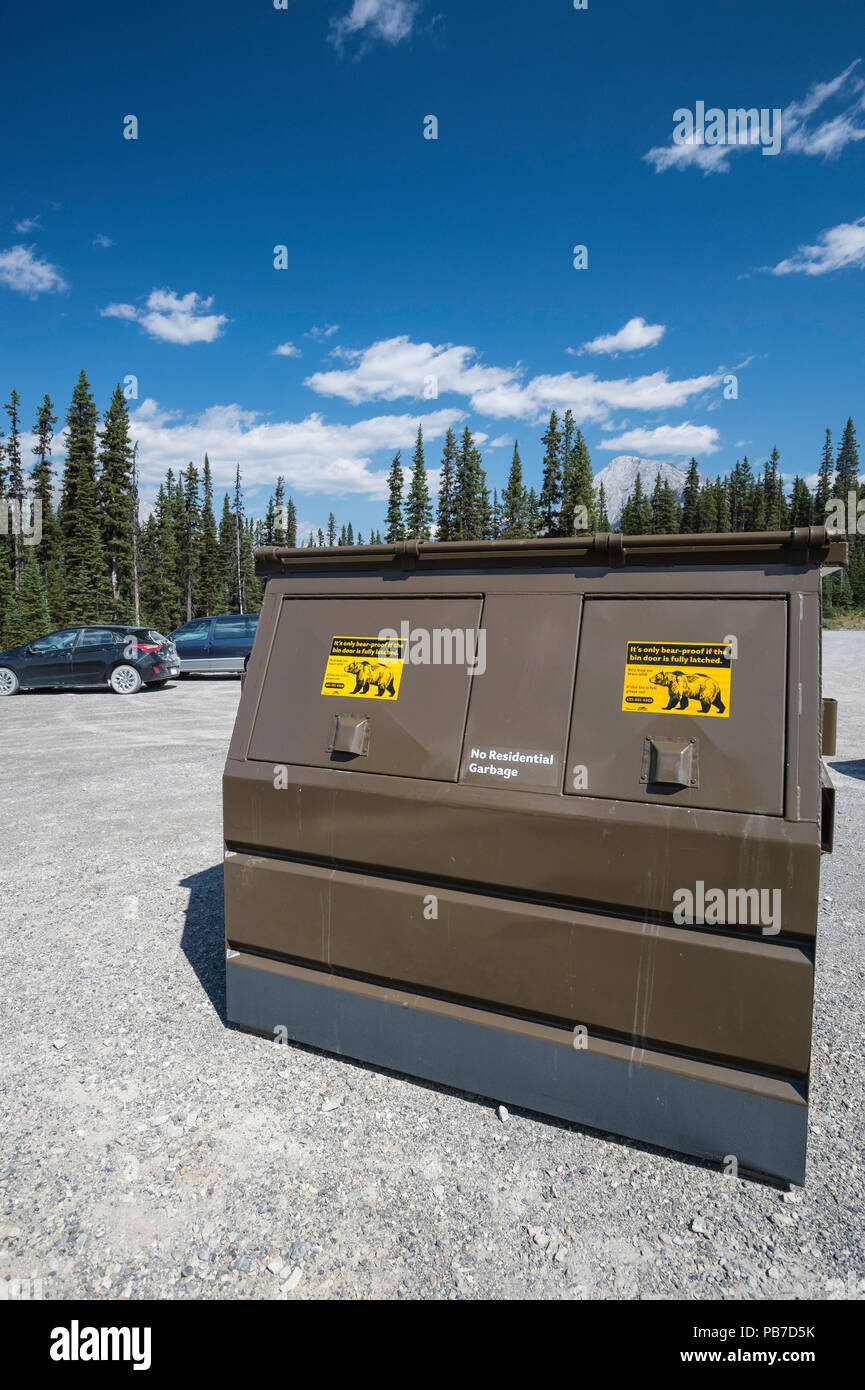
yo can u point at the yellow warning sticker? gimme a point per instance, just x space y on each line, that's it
367 667
678 678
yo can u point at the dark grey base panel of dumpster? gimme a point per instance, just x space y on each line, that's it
640 1102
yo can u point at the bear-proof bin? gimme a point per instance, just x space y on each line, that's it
542 820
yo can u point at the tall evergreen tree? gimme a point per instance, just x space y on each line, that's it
691 500
513 517
189 539
331 529
7 595
446 516
208 575
637 512
14 483
88 590
707 510
823 490
418 511
50 552
847 466
551 479
801 504
28 615
395 529
471 498
603 518
663 507
115 504
578 491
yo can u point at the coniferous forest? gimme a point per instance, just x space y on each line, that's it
97 561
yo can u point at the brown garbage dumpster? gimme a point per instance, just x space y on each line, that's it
542 820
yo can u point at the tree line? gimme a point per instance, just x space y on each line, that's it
96 561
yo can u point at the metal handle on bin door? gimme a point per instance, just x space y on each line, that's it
350 735
672 762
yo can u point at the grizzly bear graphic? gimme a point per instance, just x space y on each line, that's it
683 688
367 673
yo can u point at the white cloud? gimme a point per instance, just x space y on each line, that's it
27 224
799 134
837 248
682 441
286 350
635 334
313 456
102 240
172 318
21 270
390 20
323 330
397 367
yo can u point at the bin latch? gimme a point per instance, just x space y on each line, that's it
350 735
671 761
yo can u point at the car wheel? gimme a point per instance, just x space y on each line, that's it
9 682
125 680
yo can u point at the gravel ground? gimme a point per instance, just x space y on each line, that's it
150 1151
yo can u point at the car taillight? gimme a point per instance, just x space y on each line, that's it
146 646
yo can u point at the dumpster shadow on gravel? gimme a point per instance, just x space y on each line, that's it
849 769
203 939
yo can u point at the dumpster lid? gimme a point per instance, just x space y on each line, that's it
806 546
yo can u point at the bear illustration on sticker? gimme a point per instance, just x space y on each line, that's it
367 673
683 688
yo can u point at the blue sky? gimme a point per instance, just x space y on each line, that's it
409 258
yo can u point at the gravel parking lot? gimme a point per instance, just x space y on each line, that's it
151 1151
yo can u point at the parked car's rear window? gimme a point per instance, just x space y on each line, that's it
232 627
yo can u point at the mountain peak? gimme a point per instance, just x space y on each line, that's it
619 477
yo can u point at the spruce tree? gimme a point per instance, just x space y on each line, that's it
471 497
603 519
847 466
88 590
349 534
823 490
277 503
663 507
14 485
801 504
115 503
707 510
578 492
757 508
691 500
446 515
395 530
189 539
208 574
637 512
722 504
331 529
551 479
513 516
418 511
251 585
291 524
7 594
42 486
29 616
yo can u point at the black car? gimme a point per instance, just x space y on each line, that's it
215 644
124 658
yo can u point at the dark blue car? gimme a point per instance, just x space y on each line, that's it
215 644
